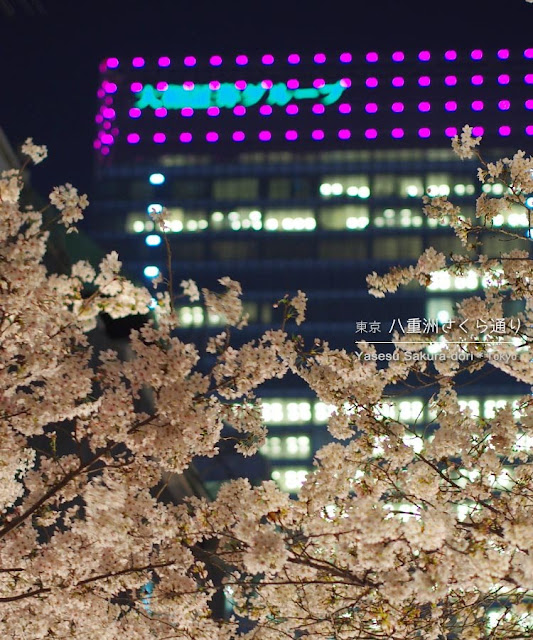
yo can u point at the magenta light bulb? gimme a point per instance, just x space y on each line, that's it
188 85
105 151
424 56
97 144
371 107
503 54
397 107
478 131
241 85
241 60
293 83
189 61
372 56
318 83
371 83
238 136
106 125
107 138
137 62
239 110
213 111
398 82
185 137
293 58
450 105
503 78
317 134
371 134
162 86
529 130
109 113
424 81
398 56
291 134
344 134
265 110
318 109
164 61
424 132
424 106
477 80
477 54
450 55
528 78
345 58
112 63
100 93
134 112
109 87
477 105
528 53
214 85
267 84
450 132
345 82
160 112
504 105
265 136
344 107
98 118
267 59
211 136
291 109
528 104
215 61
504 130
320 58
159 138
187 112
397 132
450 81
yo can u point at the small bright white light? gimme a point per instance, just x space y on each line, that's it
254 215
310 223
497 189
417 221
271 224
336 189
257 225
233 215
364 192
352 191
217 216
444 190
287 224
153 240
151 271
486 188
443 316
412 190
235 225
299 224
460 189
202 224
246 224
154 208
191 225
138 226
175 225
325 189
153 303
157 178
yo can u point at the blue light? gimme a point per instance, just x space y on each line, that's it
153 240
153 303
151 271
157 178
154 208
529 202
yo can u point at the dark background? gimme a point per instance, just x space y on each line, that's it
50 50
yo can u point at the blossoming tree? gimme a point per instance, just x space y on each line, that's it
393 535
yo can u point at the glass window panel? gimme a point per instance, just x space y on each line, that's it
235 188
344 217
397 247
343 249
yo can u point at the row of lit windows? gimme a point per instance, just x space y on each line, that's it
287 447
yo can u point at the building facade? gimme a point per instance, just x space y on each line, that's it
307 172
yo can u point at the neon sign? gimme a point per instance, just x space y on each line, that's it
227 95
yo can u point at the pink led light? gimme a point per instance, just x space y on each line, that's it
397 107
187 112
137 62
477 80
529 130
318 83
99 119
211 136
291 134
134 112
267 84
424 56
345 82
397 132
344 107
504 130
371 107
265 110
164 61
477 54
371 134
450 81
477 105
162 86
185 137
292 84
239 110
424 132
241 85
241 60
292 109
398 81
114 131
159 138
108 100
528 53
112 63
293 58
320 58
503 78
215 61
105 151
424 81
189 61
528 78
344 134
372 57
161 112
318 109
451 105
107 138
503 54
238 136
133 138
398 56
265 136
317 134
424 106
97 144
371 83
345 58
528 104
214 85
213 111
109 113
109 87
450 55
100 93
450 132
106 125
504 105
267 59
478 131
187 85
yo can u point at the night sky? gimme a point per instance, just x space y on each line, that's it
50 49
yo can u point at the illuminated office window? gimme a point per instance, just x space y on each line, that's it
279 188
397 247
470 403
351 248
189 188
138 223
322 412
410 187
384 184
343 217
240 218
440 309
236 188
290 480
287 447
438 184
444 281
191 316
398 218
353 186
410 410
289 220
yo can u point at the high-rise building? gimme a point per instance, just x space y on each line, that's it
292 171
